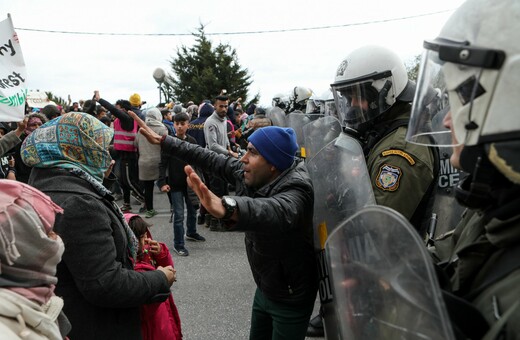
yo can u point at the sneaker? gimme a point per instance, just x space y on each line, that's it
315 328
150 213
142 209
181 251
126 208
195 237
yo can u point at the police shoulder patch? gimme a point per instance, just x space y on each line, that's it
401 153
388 177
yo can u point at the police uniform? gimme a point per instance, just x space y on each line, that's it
481 260
401 173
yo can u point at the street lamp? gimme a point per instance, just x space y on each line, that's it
159 75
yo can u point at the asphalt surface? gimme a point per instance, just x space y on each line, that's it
214 289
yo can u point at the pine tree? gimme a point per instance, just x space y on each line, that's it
201 72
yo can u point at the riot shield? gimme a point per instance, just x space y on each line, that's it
341 188
319 133
384 284
297 120
277 116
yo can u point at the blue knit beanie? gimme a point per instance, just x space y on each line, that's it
276 144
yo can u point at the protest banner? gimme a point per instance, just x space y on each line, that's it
13 89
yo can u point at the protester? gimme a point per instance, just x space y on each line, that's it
274 206
158 320
196 130
167 121
215 133
34 121
149 158
172 180
29 253
12 138
102 292
125 132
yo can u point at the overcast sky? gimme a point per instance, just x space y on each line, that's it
66 63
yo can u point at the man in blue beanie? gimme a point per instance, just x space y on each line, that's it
274 206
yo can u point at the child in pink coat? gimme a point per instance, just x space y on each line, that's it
158 320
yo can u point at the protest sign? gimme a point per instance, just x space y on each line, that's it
13 89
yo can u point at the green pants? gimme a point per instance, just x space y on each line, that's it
277 321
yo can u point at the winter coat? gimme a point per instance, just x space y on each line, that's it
159 320
196 129
149 154
101 291
277 220
8 141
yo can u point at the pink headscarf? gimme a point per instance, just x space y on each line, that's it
28 257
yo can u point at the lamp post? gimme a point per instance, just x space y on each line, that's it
159 75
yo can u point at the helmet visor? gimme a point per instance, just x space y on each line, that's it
330 108
356 103
430 104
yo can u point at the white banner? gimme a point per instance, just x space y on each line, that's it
13 89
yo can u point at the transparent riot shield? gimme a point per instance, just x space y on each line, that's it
384 284
277 116
341 188
319 133
297 120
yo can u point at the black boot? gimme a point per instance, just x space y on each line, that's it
315 328
215 225
200 219
207 220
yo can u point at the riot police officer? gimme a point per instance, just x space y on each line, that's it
373 99
475 62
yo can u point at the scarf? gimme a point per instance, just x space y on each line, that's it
72 141
28 257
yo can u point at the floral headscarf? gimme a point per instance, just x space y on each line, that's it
76 140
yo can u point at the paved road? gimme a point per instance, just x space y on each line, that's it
214 289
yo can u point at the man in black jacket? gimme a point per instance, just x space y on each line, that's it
274 206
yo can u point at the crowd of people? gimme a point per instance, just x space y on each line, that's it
77 262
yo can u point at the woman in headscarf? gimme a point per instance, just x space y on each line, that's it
102 292
149 158
29 253
34 121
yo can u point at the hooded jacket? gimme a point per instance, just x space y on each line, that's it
196 128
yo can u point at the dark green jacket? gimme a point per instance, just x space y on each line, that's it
472 254
400 172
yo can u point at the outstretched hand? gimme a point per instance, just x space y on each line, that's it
21 126
145 130
208 199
